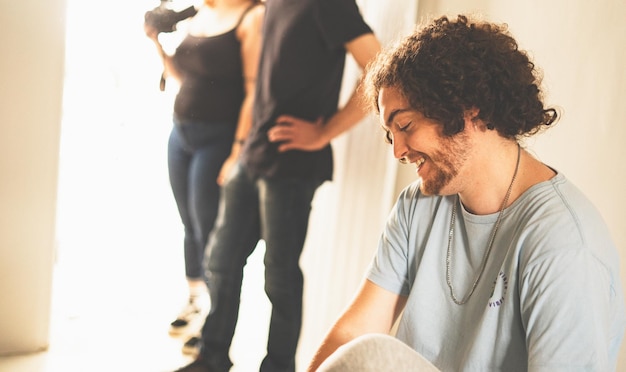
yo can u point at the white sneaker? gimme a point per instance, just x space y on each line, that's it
191 317
192 346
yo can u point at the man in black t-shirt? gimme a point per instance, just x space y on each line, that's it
286 157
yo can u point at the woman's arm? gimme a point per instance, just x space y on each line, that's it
249 33
169 69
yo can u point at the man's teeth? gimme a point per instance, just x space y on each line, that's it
419 162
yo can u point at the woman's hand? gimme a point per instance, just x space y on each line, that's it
226 168
151 32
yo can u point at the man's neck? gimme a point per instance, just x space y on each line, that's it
492 178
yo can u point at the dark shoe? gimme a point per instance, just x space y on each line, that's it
196 366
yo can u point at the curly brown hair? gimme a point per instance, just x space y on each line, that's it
451 66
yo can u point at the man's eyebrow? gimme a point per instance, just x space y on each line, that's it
393 114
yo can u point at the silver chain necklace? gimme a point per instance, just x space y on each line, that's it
491 239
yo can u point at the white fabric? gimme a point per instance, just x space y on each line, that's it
376 353
550 297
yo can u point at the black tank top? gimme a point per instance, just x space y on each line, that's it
212 86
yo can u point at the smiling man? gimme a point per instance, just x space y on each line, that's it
491 260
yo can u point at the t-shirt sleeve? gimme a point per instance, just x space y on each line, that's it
565 307
390 267
567 302
340 21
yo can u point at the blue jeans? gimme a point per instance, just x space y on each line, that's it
277 211
196 152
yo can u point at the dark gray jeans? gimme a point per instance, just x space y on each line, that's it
277 211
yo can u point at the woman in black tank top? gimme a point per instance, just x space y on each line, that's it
215 67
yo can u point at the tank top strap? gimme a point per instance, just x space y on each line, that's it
254 3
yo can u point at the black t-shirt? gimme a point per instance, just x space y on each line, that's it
300 74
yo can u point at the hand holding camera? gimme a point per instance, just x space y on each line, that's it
164 19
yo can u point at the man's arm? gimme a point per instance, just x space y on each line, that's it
373 310
298 134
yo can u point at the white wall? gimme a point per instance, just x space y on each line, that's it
31 70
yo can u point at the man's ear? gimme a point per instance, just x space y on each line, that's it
470 116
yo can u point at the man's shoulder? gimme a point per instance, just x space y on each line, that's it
560 219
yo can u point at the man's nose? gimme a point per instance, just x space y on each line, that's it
400 149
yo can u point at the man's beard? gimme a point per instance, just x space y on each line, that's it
445 164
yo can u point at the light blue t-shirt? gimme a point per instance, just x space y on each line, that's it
550 298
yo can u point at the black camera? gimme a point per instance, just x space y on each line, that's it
164 19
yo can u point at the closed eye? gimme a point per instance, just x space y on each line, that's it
405 127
